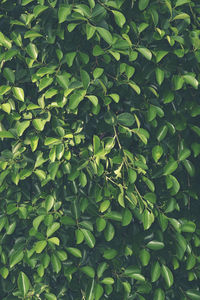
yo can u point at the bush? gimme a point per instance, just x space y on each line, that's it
99 149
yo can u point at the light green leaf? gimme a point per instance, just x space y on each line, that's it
108 280
63 11
167 275
32 51
52 228
193 294
191 80
155 271
18 93
89 271
181 2
74 251
148 219
119 18
89 237
39 246
70 58
105 34
159 75
39 124
155 245
159 294
170 167
181 16
97 72
157 152
23 283
145 52
93 99
6 134
21 127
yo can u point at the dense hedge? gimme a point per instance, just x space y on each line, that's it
99 143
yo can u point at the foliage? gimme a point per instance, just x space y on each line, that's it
99 149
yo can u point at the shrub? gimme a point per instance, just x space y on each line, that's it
99 149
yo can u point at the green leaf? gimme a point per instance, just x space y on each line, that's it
181 16
181 2
97 72
63 11
155 245
108 280
23 283
193 294
56 264
39 124
75 99
109 232
127 217
191 80
9 74
110 254
4 89
6 134
119 18
160 75
159 294
52 228
22 126
53 169
70 58
4 272
89 271
39 246
162 132
144 256
6 107
93 99
101 224
5 41
155 271
170 167
143 4
148 219
144 51
157 152
74 251
16 257
177 81
167 275
160 55
38 9
105 34
98 292
32 51
85 78
89 237
126 119
50 296
184 153
18 93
